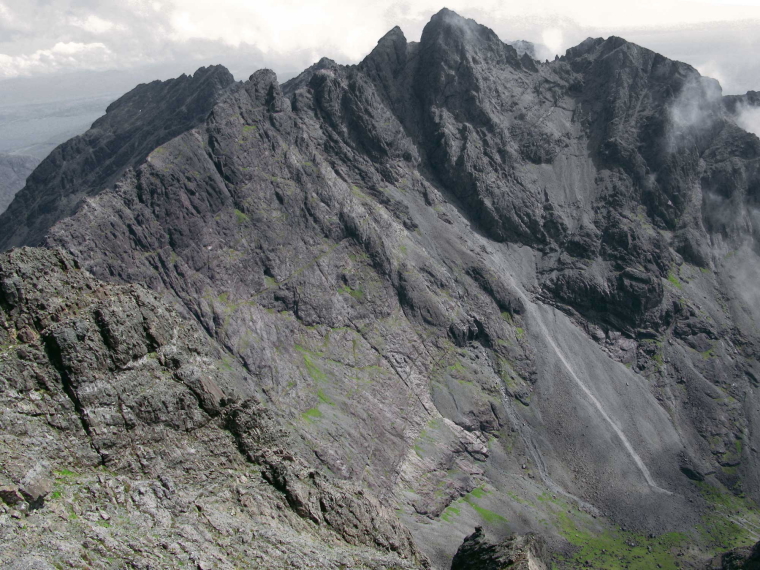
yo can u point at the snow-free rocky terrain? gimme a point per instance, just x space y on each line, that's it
343 321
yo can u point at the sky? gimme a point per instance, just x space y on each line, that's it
39 38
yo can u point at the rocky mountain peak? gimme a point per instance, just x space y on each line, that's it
264 89
473 289
390 51
133 126
302 79
583 48
449 37
393 36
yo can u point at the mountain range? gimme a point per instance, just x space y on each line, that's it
450 307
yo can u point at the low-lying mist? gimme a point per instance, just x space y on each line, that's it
748 118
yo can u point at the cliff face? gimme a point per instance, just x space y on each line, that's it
494 292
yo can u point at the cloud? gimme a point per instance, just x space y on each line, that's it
712 69
63 55
553 39
283 27
9 20
289 35
93 24
748 118
694 111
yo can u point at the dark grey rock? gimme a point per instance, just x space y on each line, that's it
517 552
135 125
433 268
747 558
117 415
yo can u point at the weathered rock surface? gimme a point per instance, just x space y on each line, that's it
487 290
127 440
516 552
747 558
14 169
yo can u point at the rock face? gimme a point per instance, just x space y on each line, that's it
138 123
747 558
515 553
487 290
119 417
14 169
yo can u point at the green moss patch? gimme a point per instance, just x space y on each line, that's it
311 414
357 294
316 373
450 513
617 549
674 280
488 516
595 546
732 521
241 218
323 398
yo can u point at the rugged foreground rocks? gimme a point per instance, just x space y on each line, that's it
484 290
127 440
515 552
747 558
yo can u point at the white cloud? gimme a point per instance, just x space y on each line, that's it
9 20
93 24
712 69
291 34
63 55
346 28
554 40
349 29
748 118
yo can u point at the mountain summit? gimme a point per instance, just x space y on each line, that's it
449 287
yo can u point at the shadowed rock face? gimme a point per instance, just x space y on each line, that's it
747 558
492 291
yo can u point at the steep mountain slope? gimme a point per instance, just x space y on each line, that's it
492 291
132 127
14 170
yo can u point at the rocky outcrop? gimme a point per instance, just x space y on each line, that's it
487 290
516 552
747 558
14 170
733 103
118 416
